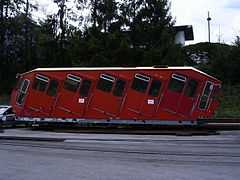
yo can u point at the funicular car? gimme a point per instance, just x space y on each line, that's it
133 95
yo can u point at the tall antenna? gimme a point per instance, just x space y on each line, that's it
208 19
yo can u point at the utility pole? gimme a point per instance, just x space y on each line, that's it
209 19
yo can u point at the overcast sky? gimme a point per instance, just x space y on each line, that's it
225 15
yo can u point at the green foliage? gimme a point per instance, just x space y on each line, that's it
230 102
219 60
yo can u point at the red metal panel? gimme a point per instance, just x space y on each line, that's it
71 103
188 102
103 102
173 93
152 98
39 102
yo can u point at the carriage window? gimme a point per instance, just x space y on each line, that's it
71 83
52 89
191 88
40 83
140 83
105 82
155 87
206 95
177 83
25 85
85 88
216 93
119 88
23 90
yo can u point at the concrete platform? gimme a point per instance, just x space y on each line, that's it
30 134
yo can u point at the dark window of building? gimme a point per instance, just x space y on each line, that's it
105 83
177 83
52 89
119 88
72 82
85 88
140 83
155 88
191 88
40 83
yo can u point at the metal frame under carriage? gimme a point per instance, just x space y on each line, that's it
106 121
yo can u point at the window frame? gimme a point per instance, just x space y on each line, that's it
180 78
22 93
43 79
151 90
143 78
75 78
206 96
195 89
116 88
103 78
55 91
81 86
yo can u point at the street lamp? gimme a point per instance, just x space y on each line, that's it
208 19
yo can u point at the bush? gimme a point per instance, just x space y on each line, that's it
230 102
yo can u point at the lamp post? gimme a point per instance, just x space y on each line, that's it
208 19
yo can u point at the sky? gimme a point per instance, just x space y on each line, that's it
224 24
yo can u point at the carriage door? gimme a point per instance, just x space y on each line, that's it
189 98
42 94
173 93
136 96
67 95
151 101
50 97
36 94
83 96
107 98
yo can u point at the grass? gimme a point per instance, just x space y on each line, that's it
5 99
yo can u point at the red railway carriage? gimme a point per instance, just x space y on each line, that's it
141 95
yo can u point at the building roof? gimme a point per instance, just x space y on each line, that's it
188 31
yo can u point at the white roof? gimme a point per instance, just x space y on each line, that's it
120 68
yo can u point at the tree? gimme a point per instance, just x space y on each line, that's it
104 13
220 60
8 9
47 42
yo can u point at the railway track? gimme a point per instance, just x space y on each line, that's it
219 120
220 123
